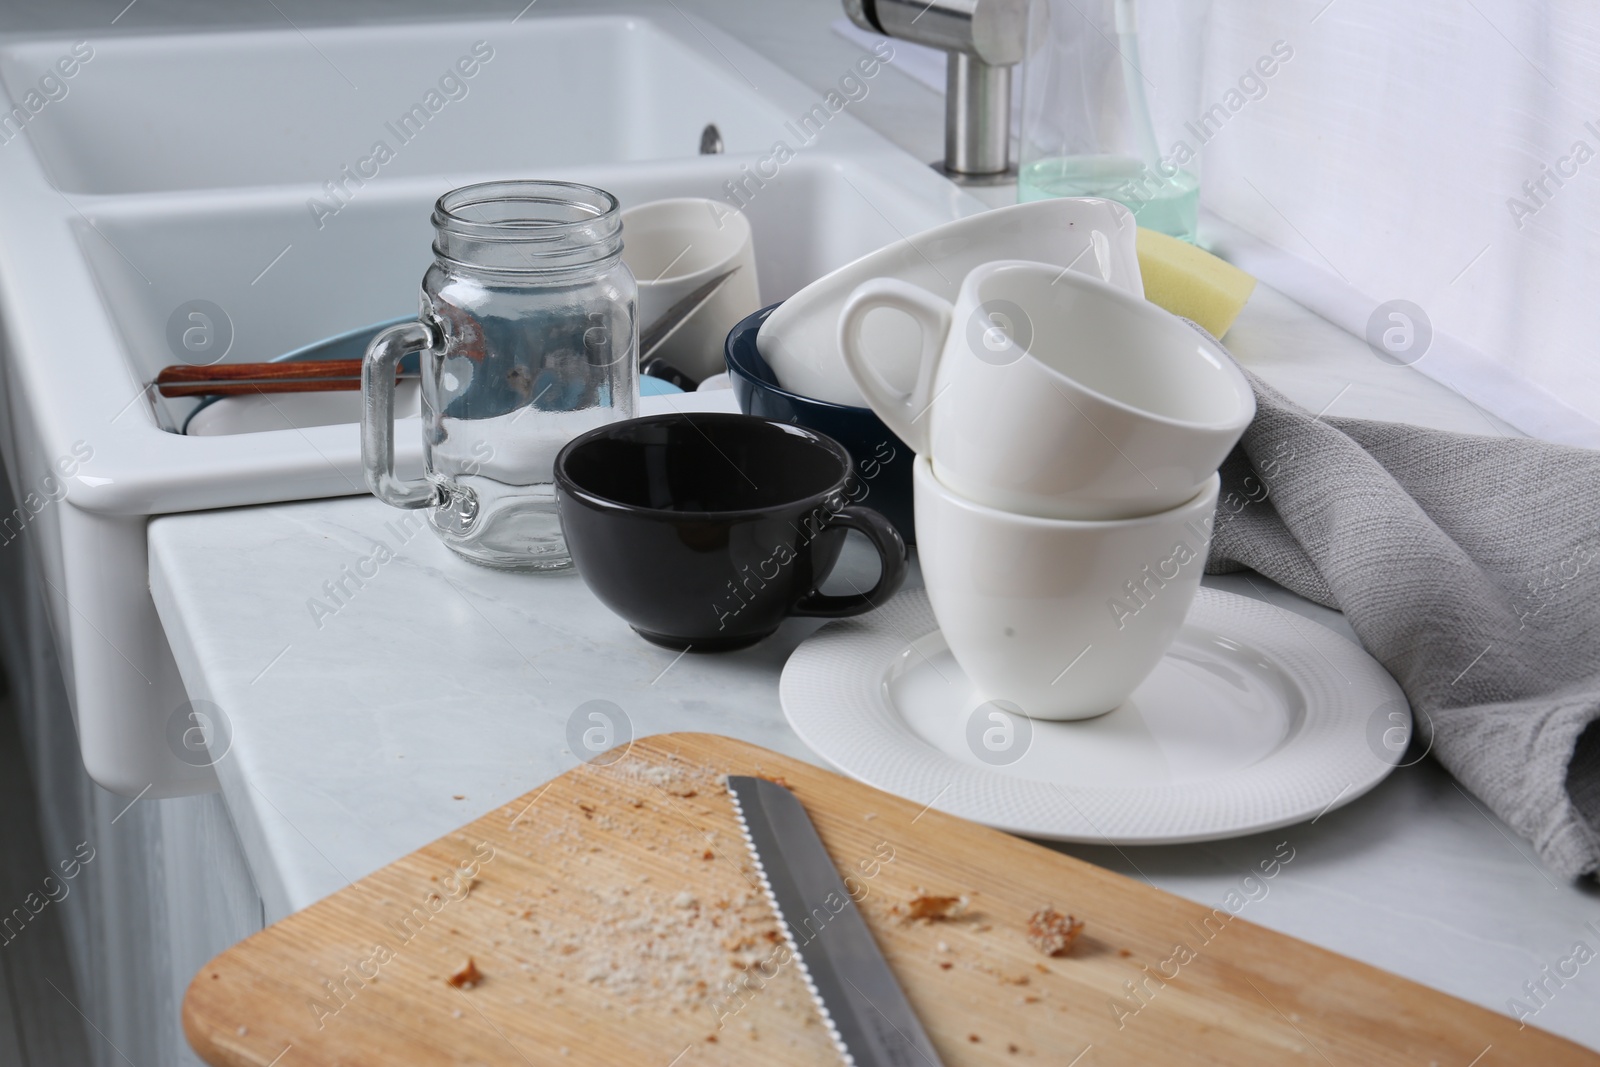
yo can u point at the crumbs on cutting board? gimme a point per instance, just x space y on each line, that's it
689 932
692 935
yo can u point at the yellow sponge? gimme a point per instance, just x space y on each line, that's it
1192 282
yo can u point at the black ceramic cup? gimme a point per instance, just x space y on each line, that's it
705 531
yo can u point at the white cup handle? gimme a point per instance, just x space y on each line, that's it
906 414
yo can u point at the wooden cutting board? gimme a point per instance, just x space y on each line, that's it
613 917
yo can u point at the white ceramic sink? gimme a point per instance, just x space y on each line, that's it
190 168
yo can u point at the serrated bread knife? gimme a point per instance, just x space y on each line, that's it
863 1006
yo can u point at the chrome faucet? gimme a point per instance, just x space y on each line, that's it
985 39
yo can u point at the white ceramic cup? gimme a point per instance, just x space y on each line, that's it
1060 618
675 246
1046 392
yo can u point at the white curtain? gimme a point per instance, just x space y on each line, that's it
1441 152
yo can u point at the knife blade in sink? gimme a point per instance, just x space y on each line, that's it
863 1005
655 335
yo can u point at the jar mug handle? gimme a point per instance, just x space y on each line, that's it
378 371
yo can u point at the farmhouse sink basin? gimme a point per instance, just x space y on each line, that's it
239 177
252 109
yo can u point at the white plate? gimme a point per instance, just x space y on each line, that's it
1254 719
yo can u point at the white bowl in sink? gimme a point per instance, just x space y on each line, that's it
800 340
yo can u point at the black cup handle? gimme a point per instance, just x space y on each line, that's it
891 558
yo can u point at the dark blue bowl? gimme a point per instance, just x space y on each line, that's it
883 462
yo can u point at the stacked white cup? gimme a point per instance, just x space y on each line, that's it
1068 436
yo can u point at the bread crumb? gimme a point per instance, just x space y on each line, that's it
945 965
467 976
458 796
930 908
1051 932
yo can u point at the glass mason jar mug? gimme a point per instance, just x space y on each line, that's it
528 337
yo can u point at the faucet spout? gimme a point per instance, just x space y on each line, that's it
985 39
977 122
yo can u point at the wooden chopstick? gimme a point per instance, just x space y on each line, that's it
247 379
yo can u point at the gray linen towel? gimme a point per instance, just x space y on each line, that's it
1470 568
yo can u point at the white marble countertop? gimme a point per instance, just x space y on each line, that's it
353 739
